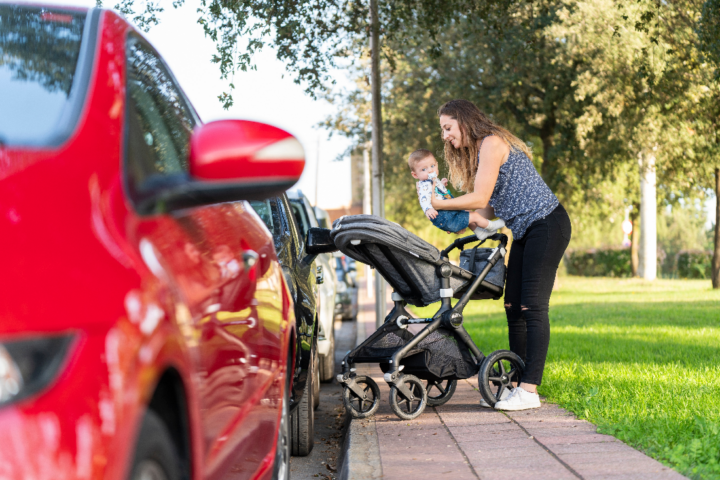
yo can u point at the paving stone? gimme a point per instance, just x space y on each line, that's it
483 429
667 474
606 457
643 466
590 448
472 418
574 439
490 442
548 473
517 445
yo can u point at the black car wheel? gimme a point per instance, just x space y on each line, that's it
302 422
155 455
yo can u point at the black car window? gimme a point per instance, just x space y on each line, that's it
159 121
45 66
298 240
300 217
272 213
265 211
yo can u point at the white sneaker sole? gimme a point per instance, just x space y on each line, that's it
526 406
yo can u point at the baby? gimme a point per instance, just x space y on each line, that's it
424 168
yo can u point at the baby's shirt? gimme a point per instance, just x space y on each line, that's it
425 190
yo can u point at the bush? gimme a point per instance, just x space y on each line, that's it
596 262
694 264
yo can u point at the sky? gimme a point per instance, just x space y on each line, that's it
266 95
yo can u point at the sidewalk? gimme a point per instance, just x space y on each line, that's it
461 440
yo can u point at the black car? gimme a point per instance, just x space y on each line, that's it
301 276
346 298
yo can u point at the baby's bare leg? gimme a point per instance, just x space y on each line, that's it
477 220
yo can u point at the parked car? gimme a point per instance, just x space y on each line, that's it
147 328
346 300
305 217
302 276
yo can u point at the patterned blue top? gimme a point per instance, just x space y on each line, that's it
521 196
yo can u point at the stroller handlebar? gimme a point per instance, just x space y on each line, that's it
461 242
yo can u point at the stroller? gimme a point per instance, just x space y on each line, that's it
421 369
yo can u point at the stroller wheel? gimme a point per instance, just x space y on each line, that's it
362 407
411 407
497 373
440 392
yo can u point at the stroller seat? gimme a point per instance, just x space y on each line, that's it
407 262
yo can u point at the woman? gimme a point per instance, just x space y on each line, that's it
495 170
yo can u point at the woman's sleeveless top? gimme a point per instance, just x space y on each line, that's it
521 196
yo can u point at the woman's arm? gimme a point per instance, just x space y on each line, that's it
493 154
487 212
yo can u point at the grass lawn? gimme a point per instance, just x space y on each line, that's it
641 360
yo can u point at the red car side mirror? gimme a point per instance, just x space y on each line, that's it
241 151
230 160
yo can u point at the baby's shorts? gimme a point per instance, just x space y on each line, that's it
452 220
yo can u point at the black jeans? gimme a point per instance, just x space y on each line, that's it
532 267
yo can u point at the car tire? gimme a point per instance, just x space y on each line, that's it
316 381
327 362
155 456
281 467
302 423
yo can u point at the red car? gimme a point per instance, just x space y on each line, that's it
146 329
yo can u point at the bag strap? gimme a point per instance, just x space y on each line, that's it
472 260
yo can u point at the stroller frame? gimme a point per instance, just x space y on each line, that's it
447 316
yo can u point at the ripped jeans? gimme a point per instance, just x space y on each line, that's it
532 266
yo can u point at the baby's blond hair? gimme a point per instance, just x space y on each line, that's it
418 155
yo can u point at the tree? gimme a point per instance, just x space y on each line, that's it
506 63
645 82
709 33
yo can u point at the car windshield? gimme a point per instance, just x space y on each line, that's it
39 52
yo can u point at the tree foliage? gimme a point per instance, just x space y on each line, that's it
310 37
591 85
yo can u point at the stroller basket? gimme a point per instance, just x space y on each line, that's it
438 356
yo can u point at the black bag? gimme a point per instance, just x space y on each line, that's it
440 355
475 260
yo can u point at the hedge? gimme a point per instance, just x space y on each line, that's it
694 264
599 262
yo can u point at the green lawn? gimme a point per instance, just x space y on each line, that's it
641 360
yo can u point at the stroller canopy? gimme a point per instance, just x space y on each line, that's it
405 260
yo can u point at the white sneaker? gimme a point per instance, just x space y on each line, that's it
519 399
503 396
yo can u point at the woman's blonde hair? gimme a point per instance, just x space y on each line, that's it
474 125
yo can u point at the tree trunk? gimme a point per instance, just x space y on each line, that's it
647 267
367 210
716 246
635 239
378 200
548 169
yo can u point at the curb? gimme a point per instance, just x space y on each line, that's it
361 459
361 451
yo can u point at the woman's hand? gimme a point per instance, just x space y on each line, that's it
436 202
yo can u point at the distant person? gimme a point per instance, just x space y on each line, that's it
495 169
424 169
